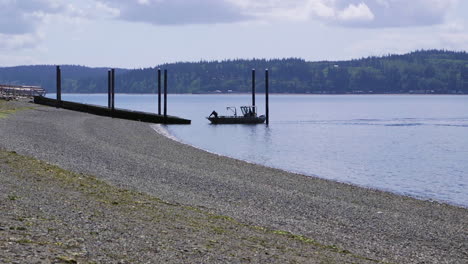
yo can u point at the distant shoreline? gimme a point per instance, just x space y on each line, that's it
419 72
260 94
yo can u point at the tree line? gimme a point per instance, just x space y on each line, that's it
425 71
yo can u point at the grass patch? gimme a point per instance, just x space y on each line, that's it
215 230
25 241
13 197
19 228
65 259
5 113
7 108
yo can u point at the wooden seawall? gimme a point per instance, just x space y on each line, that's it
116 113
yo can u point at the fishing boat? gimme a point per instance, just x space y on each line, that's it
249 116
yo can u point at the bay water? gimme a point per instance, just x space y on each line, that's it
415 145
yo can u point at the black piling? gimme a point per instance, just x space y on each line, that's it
165 93
267 110
109 88
253 88
159 91
59 86
113 89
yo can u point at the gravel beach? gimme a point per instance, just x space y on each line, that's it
131 155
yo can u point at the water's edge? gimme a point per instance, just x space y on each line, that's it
411 146
162 130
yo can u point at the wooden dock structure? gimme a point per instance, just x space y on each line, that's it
13 91
112 112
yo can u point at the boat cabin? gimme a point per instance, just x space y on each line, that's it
249 111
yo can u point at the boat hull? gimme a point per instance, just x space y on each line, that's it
237 120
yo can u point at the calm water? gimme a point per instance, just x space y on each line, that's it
411 145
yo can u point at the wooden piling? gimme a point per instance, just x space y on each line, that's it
253 88
165 93
267 114
109 88
59 86
159 91
113 89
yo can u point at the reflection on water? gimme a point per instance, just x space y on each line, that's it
411 145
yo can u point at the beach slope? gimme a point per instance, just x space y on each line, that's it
130 155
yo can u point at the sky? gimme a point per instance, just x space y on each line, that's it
146 33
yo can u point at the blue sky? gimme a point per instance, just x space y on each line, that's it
145 33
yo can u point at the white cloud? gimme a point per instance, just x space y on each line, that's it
144 2
92 9
23 41
358 12
23 17
21 21
293 10
27 26
402 13
177 12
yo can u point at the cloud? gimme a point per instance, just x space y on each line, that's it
92 9
402 13
23 17
18 17
177 12
354 13
19 21
23 22
23 41
293 10
360 12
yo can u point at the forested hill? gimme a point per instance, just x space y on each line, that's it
431 71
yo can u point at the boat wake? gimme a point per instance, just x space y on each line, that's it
394 122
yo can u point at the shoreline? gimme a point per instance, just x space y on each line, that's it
128 154
84 220
262 94
160 129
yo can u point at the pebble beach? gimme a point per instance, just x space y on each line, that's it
374 225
